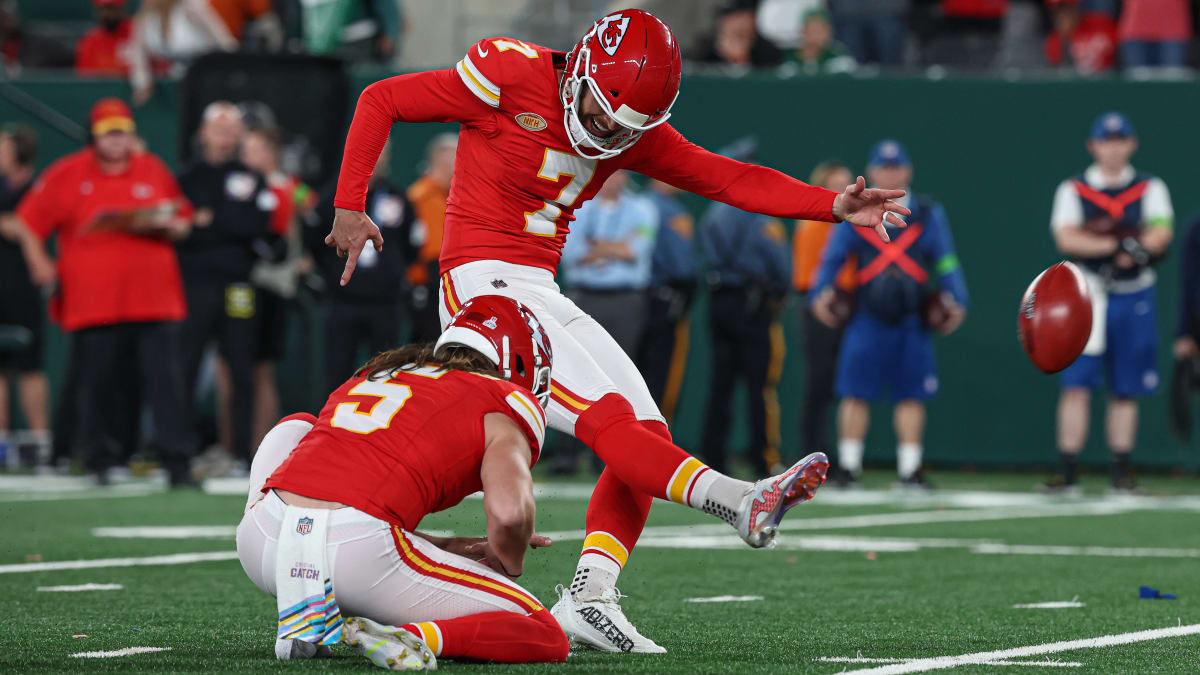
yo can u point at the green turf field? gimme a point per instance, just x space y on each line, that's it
874 576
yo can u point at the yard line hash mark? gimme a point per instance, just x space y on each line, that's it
128 651
81 587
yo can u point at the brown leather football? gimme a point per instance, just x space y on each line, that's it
1055 317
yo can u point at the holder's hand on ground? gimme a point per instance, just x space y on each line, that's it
351 231
870 207
482 551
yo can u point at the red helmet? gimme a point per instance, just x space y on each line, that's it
508 333
630 62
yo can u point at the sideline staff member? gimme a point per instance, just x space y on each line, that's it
234 206
114 210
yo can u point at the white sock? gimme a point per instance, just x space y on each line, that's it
850 455
594 574
710 491
908 459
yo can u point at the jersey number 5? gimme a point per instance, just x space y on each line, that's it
555 165
390 396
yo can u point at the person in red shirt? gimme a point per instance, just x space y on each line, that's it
114 212
415 431
108 50
540 132
1086 41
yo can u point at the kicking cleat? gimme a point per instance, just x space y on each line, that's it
767 500
600 624
387 646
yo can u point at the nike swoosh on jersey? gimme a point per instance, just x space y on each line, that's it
482 52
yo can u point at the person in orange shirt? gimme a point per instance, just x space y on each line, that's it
256 15
820 341
428 197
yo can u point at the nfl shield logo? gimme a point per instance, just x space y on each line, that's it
304 526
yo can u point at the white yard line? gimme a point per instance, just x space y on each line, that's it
864 659
81 587
1093 551
119 652
1058 604
727 598
167 532
943 662
173 559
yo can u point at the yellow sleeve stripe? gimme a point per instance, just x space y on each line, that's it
607 543
530 413
677 486
479 85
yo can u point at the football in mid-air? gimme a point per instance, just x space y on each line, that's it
1055 320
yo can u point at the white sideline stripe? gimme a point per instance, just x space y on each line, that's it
1095 551
727 598
81 587
864 659
943 662
167 532
1061 604
119 652
196 532
173 559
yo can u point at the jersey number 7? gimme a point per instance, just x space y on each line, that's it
555 165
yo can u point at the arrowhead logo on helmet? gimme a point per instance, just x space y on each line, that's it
612 30
636 91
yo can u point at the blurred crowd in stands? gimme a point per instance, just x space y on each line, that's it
213 274
147 39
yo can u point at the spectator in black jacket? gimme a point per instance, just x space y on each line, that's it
231 231
366 311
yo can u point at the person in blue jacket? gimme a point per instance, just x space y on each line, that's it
749 272
887 348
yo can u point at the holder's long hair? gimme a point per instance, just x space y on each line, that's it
449 357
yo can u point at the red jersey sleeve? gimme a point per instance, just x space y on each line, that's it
42 208
663 153
525 411
466 93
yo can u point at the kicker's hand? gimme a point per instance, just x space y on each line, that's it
351 231
870 207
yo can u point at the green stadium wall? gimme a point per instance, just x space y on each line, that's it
992 151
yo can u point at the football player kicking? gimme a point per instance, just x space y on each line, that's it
335 501
540 132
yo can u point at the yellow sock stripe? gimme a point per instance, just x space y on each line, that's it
432 636
677 487
607 543
416 560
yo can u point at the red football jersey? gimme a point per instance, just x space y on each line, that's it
107 276
517 181
405 446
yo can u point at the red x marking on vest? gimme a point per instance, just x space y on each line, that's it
892 253
1115 206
